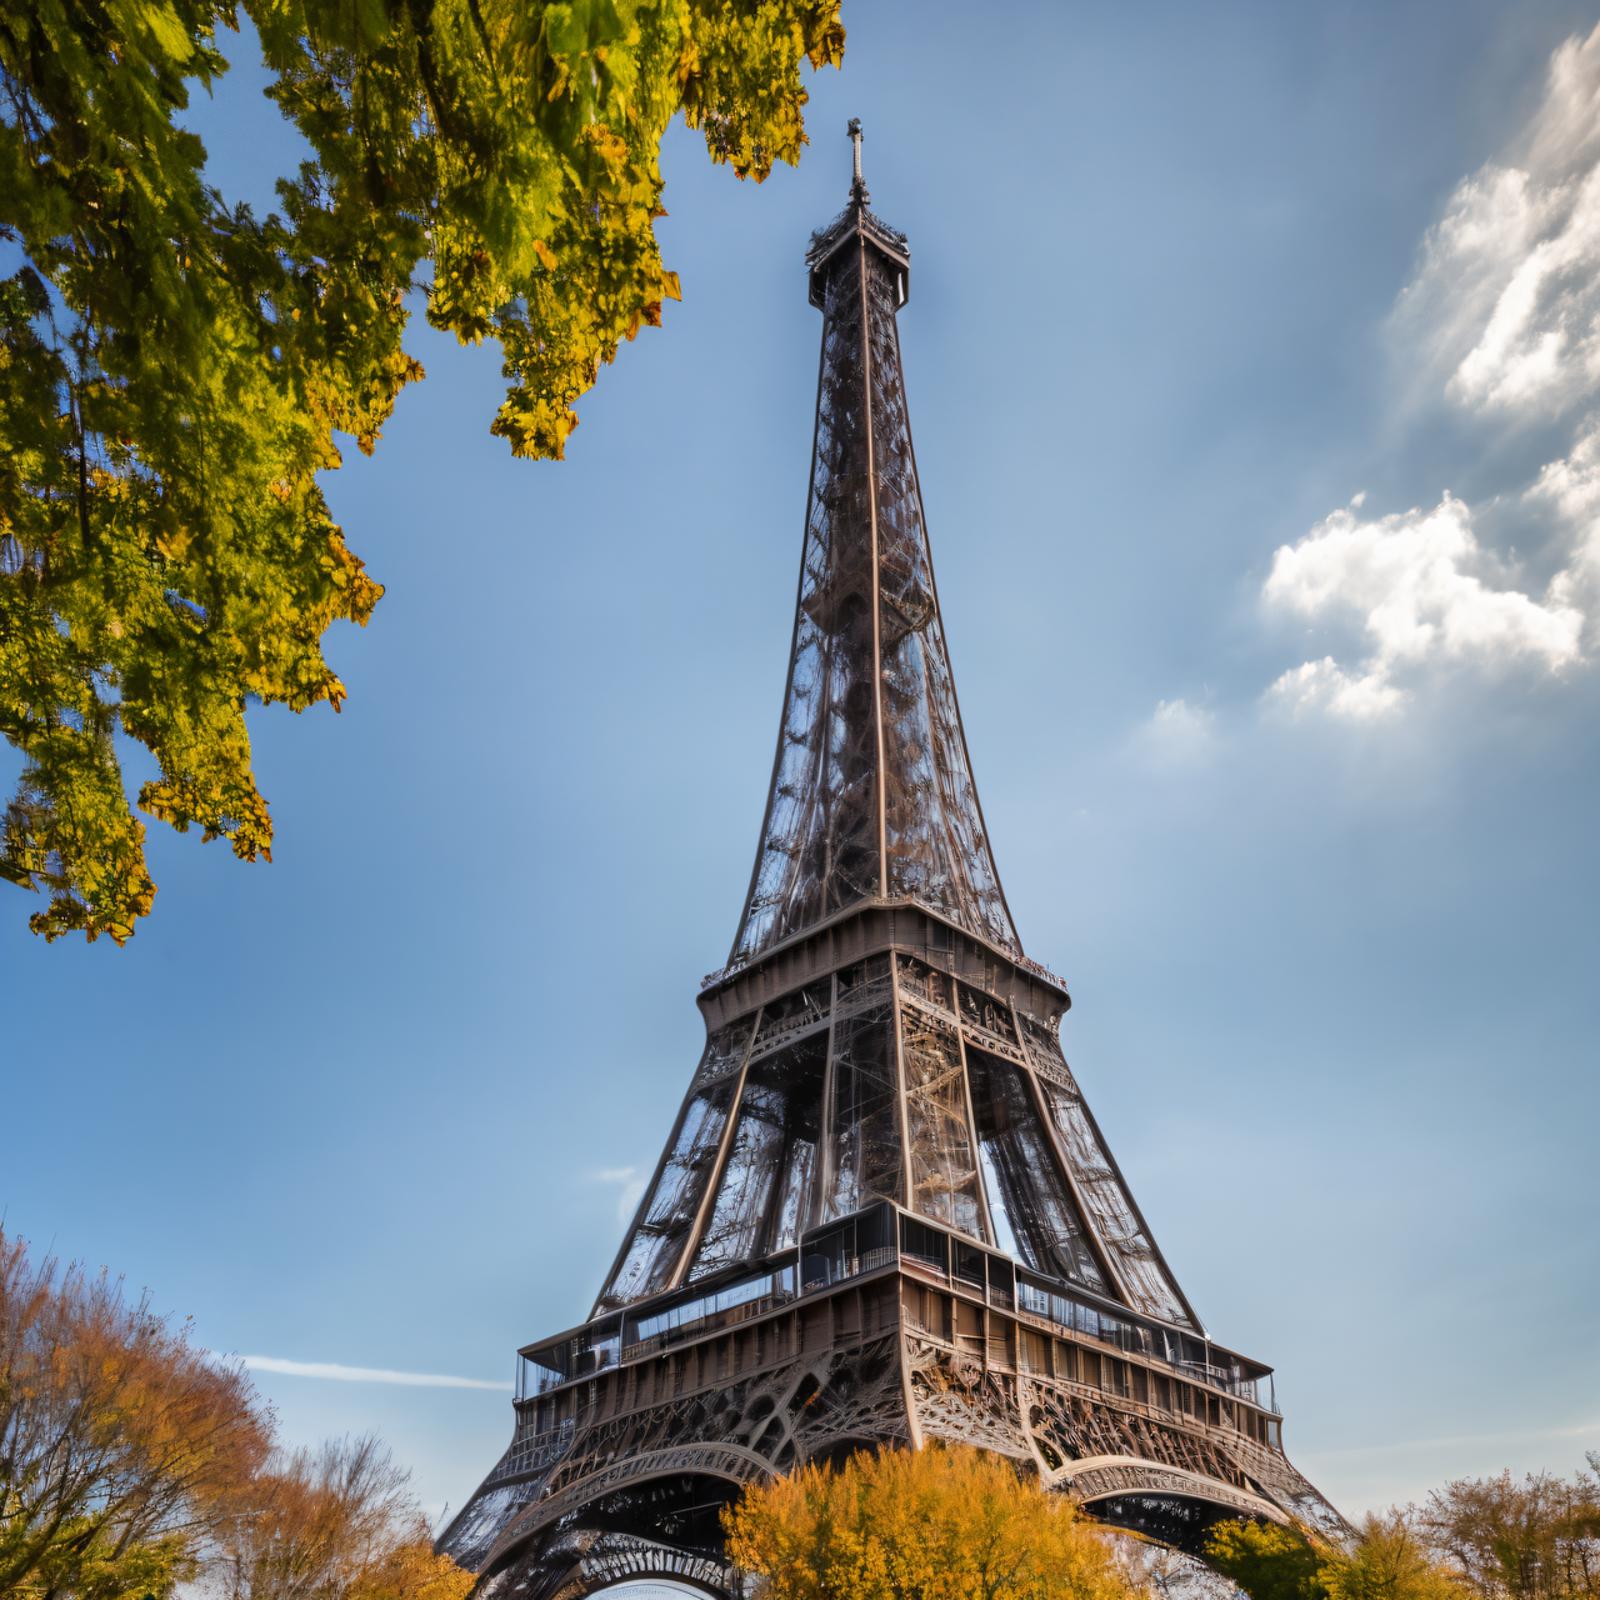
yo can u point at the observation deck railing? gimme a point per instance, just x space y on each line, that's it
878 1237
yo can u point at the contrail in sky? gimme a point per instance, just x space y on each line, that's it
343 1374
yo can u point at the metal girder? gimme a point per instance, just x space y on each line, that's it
885 1214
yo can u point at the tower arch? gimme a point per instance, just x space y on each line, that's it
885 1213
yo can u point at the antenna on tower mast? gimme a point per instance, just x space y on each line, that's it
858 187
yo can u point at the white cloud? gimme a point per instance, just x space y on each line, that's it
1502 319
1539 349
1506 297
1325 686
1572 485
1177 719
342 1374
629 1183
1178 732
1422 592
1571 488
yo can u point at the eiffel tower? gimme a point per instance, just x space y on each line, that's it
886 1214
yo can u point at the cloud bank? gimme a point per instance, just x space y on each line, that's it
1502 318
1421 589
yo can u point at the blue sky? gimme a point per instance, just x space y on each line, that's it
1296 791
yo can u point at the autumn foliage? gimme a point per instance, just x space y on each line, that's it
1475 1539
1268 1562
935 1524
175 371
955 1524
132 1462
1531 1538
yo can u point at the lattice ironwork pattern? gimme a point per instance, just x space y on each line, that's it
885 1213
890 1080
872 790
600 1486
1147 1283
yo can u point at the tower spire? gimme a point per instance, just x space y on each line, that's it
872 796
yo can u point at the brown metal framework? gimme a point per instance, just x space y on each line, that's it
885 1213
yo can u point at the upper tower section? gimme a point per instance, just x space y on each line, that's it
872 795
856 223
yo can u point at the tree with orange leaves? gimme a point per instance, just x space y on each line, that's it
331 1524
118 1440
933 1524
132 1461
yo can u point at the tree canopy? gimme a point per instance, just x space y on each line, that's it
175 371
336 1523
1530 1538
1475 1539
942 1523
132 1462
1268 1562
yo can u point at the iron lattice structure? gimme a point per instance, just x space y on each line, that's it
885 1213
